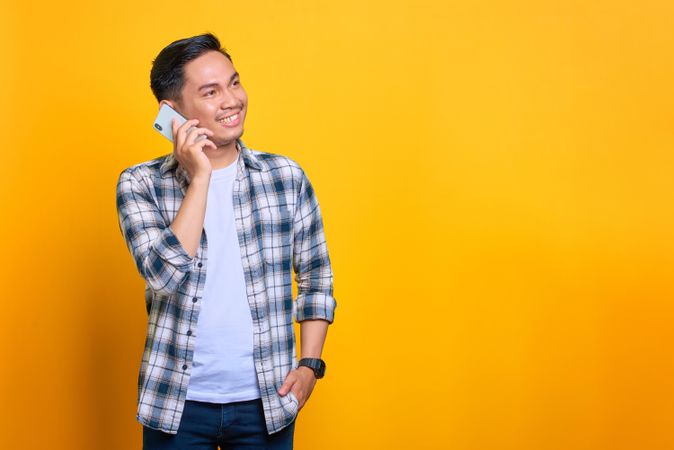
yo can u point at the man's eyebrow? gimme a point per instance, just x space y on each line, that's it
234 75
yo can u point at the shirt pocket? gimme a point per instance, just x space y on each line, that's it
276 225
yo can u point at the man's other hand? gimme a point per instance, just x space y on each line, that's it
301 382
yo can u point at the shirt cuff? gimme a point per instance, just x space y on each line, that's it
172 251
315 305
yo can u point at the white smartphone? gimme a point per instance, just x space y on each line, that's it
162 122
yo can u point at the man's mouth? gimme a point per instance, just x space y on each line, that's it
230 121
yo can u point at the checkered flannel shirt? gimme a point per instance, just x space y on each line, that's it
280 228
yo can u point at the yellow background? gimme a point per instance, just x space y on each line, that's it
496 183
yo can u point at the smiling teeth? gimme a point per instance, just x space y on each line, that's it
230 118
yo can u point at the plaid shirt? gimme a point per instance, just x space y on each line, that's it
279 225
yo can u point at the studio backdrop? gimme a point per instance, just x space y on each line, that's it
496 182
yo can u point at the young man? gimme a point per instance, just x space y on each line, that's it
216 228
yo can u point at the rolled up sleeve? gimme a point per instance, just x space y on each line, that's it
311 261
159 256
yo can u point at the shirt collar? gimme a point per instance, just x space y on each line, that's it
247 156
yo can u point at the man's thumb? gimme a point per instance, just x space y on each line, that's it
283 390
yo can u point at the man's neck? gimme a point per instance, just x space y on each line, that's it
223 156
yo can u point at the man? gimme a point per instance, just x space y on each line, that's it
215 229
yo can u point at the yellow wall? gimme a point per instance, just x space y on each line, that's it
497 186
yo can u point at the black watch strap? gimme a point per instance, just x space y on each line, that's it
315 364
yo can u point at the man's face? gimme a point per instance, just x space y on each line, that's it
211 93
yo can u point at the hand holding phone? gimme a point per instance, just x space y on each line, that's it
164 122
188 140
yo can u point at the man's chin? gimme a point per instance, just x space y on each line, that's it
228 140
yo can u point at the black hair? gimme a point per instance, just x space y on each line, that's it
167 74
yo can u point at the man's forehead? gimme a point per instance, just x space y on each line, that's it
211 80
209 70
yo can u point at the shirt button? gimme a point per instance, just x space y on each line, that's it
184 366
194 300
189 332
200 264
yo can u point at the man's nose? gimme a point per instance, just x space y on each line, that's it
229 100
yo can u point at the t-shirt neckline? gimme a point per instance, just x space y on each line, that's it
226 172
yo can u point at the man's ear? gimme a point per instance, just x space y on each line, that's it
168 102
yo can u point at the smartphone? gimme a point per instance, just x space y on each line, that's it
162 122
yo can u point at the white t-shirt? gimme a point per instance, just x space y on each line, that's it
223 370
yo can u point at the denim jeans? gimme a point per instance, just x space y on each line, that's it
232 426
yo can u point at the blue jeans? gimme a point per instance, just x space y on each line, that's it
205 426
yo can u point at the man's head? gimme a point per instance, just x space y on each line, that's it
196 77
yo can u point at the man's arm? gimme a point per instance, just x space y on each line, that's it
158 250
312 336
315 304
311 261
189 222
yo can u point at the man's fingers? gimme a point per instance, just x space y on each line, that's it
182 131
204 142
287 384
194 135
285 388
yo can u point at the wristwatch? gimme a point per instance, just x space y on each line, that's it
315 364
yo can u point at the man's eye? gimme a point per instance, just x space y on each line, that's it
236 82
209 92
